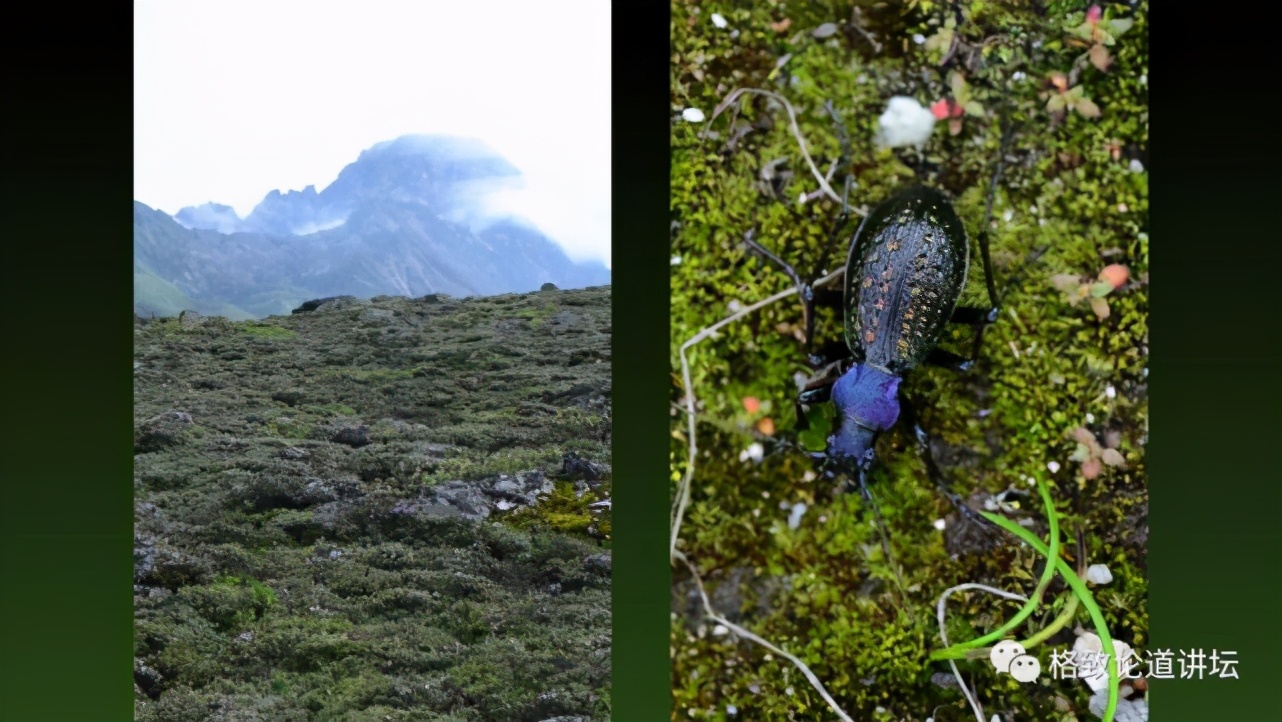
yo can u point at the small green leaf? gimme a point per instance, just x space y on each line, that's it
819 418
974 108
1056 103
1119 26
1100 307
1087 108
1065 282
1101 289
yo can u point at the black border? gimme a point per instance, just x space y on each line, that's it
640 161
1216 340
66 515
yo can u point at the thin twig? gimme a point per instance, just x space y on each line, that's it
856 21
943 635
810 676
683 490
792 122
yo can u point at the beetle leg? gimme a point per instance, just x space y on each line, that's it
988 217
949 360
910 416
805 290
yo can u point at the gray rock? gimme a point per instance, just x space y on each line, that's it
355 436
162 431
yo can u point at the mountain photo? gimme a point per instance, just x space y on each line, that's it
372 390
407 218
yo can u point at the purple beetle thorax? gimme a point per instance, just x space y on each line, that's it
868 397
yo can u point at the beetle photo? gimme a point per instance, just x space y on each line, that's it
909 330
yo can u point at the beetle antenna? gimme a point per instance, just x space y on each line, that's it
866 493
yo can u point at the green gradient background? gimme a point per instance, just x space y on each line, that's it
1215 485
66 514
1216 392
642 391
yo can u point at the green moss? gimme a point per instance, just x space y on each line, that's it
565 510
1066 206
268 330
538 315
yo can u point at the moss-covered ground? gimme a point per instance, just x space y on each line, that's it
1060 384
375 510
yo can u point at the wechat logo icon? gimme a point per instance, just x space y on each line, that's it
1009 657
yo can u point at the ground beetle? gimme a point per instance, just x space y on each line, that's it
905 272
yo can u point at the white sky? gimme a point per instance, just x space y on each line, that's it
235 98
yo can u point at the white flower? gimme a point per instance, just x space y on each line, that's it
1090 643
1110 392
905 122
919 38
798 511
732 710
1136 166
719 21
676 261
940 524
1018 75
1053 466
692 115
1098 574
720 630
755 452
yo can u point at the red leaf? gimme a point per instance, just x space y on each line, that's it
946 108
1091 468
1115 274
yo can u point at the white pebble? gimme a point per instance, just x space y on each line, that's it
1053 466
1098 574
719 21
905 122
692 115
798 511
